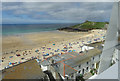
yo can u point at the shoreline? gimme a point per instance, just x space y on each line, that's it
46 39
25 35
21 34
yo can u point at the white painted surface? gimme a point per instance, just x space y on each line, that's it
87 48
110 73
111 40
44 68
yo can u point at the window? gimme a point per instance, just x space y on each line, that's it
92 65
87 68
72 76
99 56
87 63
79 71
116 59
83 71
93 58
67 78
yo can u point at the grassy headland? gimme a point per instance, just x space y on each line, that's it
85 27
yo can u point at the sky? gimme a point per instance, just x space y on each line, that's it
55 12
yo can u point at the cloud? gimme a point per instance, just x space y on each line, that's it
56 11
59 0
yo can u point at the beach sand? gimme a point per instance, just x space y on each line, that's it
17 44
33 40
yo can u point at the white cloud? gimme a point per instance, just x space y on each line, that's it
59 11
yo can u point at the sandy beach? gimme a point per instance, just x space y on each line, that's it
20 48
32 40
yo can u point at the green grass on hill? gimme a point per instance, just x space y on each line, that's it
90 25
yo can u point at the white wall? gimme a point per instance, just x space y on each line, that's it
89 65
115 55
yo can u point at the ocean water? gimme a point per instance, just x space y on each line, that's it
13 29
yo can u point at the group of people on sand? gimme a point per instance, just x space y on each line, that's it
60 48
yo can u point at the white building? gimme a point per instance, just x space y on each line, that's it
69 65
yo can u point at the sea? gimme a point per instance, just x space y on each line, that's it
15 29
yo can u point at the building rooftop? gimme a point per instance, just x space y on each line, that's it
27 70
65 63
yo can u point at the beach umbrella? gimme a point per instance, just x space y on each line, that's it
59 54
89 41
22 58
53 44
62 50
10 63
71 47
70 51
46 54
37 60
95 39
10 56
19 62
74 50
18 55
13 63
36 50
81 52
56 50
98 38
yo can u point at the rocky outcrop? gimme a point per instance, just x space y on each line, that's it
69 29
